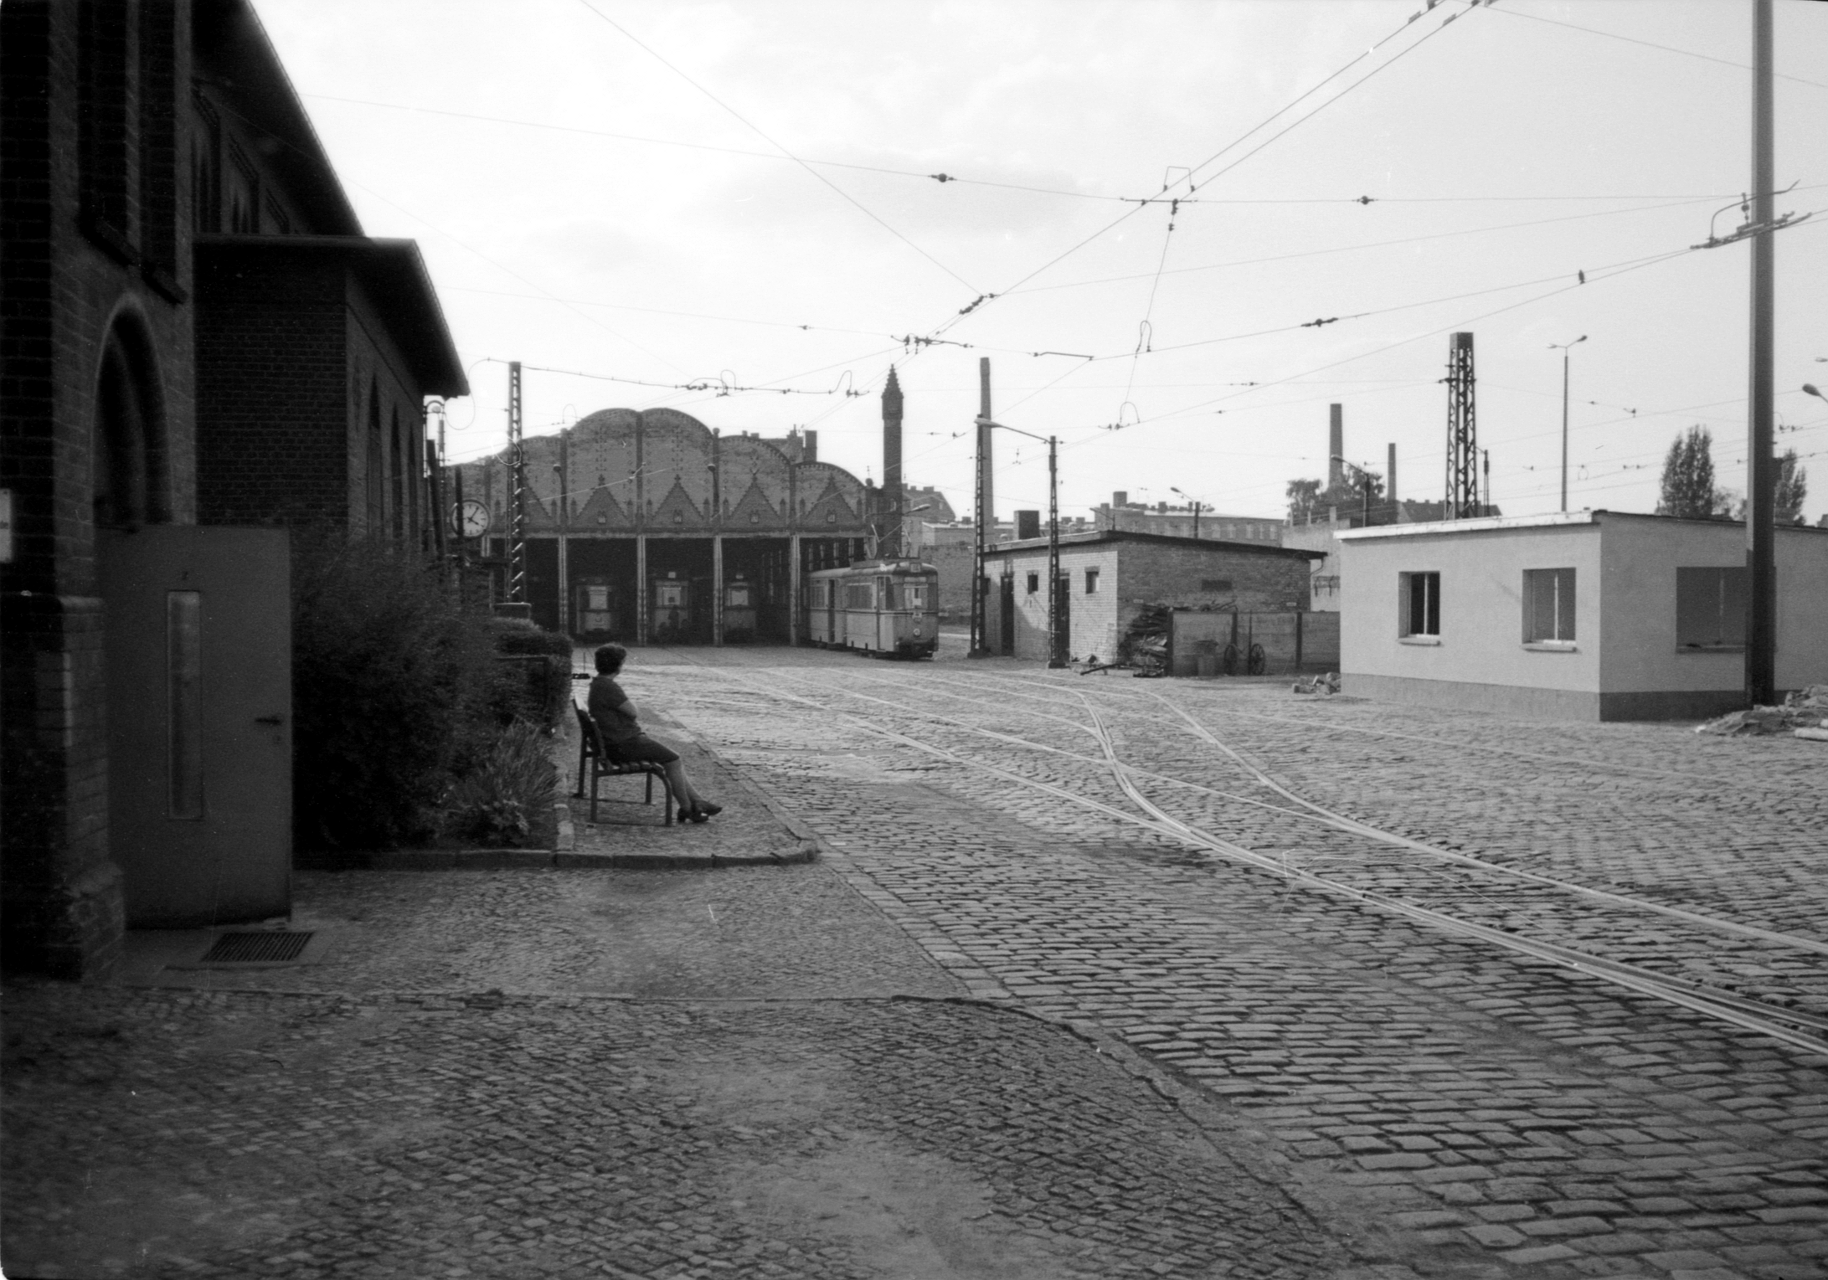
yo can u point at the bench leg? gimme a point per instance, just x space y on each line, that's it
594 775
650 790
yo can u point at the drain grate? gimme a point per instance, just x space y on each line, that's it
266 947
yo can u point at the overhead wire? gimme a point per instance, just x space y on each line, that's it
766 137
1510 11
955 179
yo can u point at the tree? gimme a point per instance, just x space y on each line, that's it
1303 499
1792 488
1688 476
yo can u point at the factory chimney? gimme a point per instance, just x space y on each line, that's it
891 465
1336 447
1390 480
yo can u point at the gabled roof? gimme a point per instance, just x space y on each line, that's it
234 55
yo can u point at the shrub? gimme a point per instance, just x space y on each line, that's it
533 674
391 686
507 796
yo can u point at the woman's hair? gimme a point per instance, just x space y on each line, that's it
610 658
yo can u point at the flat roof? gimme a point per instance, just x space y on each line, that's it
1070 540
1489 524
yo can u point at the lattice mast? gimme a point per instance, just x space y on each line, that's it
517 461
1462 498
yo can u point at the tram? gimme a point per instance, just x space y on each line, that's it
887 608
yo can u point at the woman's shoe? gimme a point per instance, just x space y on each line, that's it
695 815
708 809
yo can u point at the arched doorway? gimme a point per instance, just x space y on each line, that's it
128 476
196 632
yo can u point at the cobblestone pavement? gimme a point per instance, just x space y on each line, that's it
536 1072
235 1134
1501 1111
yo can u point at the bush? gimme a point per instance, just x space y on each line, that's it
391 691
507 796
533 674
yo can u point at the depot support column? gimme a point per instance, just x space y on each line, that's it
641 592
794 587
717 589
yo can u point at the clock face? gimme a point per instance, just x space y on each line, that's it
470 519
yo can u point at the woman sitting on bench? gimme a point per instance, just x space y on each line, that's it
622 736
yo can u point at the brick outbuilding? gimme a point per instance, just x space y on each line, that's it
1109 576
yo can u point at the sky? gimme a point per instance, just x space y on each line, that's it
1178 231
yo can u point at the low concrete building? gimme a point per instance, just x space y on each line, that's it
1108 577
1590 615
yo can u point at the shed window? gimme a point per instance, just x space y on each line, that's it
1420 603
1091 582
1034 583
1710 607
1548 606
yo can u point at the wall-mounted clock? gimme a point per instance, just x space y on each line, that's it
470 519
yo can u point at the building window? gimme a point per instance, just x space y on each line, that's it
1034 583
1711 608
159 147
104 128
1548 606
1091 582
1420 603
243 195
1215 584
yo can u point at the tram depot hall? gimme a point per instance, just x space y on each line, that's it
650 528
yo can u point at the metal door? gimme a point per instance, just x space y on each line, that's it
199 663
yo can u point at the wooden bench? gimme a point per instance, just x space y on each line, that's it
603 764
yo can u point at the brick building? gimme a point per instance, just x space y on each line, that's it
151 157
1188 521
1110 575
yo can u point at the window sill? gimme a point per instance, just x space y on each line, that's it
1425 640
1711 648
1551 646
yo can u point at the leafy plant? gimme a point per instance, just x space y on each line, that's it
502 799
390 690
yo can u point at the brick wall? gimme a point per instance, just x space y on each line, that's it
66 282
272 418
1131 574
1261 582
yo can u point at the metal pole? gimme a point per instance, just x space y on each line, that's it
1564 429
978 581
1056 641
1760 487
517 541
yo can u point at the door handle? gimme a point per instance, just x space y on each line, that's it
272 720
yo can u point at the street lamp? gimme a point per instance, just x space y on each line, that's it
1056 639
1364 485
1563 347
1196 508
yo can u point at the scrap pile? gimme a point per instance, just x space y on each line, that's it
1804 714
1145 643
1327 684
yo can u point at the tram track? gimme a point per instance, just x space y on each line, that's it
1137 807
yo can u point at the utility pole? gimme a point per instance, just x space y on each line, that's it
1760 486
979 583
1056 638
1565 347
517 534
